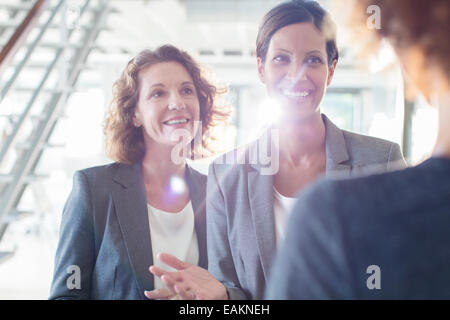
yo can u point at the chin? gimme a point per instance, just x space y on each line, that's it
300 113
176 134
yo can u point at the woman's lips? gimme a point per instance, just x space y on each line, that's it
178 121
296 94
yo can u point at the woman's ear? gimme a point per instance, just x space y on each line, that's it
260 65
331 70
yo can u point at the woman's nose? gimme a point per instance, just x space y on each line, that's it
297 72
176 100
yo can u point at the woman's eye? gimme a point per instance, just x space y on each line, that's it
279 59
188 91
313 60
157 93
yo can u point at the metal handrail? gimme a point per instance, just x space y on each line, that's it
30 157
7 145
20 35
4 90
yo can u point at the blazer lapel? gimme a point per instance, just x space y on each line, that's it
260 194
260 189
197 192
337 161
131 209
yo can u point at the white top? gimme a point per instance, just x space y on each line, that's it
173 233
282 207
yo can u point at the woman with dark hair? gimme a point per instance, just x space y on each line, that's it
385 236
120 216
248 202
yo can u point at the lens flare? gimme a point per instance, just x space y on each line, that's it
177 185
270 111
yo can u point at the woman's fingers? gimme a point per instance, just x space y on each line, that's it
185 291
162 293
186 280
182 287
174 275
192 282
157 271
173 261
168 281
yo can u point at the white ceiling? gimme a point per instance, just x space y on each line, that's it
195 25
219 33
222 31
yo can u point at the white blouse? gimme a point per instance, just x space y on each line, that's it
173 233
282 207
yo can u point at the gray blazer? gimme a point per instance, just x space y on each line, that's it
240 224
105 233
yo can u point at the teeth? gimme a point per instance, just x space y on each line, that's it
176 121
295 94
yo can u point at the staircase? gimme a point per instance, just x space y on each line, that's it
45 45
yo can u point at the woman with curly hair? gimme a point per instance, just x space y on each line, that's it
118 217
385 236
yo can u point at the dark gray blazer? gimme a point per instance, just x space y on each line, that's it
386 236
105 232
241 228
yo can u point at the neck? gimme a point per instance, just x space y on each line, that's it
158 166
442 146
302 139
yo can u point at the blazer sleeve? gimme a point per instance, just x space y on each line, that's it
75 254
395 158
220 259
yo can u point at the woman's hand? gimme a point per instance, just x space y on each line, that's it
189 282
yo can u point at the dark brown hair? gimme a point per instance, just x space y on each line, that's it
125 142
292 12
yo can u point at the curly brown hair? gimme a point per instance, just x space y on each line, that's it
124 141
411 26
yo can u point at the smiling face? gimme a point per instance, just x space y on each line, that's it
295 71
167 101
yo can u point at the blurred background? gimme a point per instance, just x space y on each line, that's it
60 58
